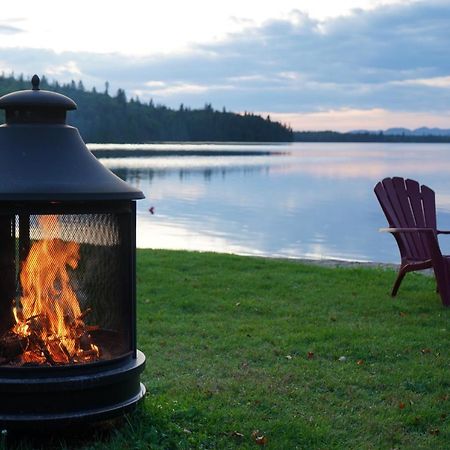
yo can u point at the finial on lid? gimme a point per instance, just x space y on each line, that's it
35 82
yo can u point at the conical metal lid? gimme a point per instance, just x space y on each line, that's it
42 158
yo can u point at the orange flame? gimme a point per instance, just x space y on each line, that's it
50 314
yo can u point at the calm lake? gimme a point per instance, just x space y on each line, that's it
311 200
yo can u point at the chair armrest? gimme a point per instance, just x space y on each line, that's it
407 230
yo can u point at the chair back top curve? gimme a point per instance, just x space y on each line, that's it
406 204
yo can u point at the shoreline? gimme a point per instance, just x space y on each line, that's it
125 153
324 262
338 263
343 263
329 263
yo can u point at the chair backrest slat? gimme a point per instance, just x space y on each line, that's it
406 241
429 207
415 197
419 217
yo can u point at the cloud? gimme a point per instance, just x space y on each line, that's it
438 82
365 60
7 28
69 68
161 89
390 58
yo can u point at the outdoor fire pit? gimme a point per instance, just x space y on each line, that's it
67 272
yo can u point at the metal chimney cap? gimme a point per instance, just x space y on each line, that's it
36 98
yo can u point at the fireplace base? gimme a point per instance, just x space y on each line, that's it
35 397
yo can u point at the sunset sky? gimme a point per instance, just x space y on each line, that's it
315 65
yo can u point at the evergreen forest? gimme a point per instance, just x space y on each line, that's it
102 117
334 136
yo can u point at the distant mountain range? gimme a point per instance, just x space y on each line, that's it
423 131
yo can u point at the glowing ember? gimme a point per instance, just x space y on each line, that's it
49 321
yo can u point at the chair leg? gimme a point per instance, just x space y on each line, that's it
444 291
445 300
441 268
401 274
443 287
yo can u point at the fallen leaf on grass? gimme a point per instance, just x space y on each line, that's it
259 438
310 355
401 405
360 362
289 357
402 314
426 350
435 431
236 434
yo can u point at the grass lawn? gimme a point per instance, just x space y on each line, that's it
249 352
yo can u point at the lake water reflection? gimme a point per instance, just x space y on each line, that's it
314 200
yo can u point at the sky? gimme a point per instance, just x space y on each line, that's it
314 65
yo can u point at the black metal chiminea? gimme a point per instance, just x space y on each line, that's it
67 263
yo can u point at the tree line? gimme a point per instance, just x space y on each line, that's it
334 136
102 117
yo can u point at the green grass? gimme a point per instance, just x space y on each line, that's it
238 344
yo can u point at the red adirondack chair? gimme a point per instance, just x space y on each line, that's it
410 210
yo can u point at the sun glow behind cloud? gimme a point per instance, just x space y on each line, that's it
356 119
141 28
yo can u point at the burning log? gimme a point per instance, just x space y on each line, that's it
33 349
12 345
39 348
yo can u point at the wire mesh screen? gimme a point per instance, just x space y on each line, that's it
70 304
90 244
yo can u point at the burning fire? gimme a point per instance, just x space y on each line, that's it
49 321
